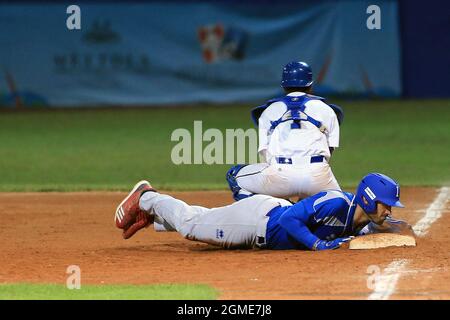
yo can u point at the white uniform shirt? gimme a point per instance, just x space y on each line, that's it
298 143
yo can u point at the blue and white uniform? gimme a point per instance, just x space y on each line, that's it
259 221
296 133
324 216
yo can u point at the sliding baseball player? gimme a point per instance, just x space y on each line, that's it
321 222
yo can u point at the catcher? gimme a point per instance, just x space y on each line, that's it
321 222
297 135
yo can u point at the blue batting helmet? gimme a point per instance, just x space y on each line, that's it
297 75
377 187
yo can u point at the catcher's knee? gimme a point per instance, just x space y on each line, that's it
233 184
231 177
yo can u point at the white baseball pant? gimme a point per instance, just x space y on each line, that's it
242 224
287 180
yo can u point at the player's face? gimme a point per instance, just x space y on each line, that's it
383 211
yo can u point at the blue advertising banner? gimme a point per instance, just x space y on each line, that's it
171 53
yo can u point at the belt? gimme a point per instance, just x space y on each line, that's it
286 160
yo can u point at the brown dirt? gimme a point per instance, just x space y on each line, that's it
43 233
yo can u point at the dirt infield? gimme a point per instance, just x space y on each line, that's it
43 233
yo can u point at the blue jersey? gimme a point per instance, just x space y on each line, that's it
324 216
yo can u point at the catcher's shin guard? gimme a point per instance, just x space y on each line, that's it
238 192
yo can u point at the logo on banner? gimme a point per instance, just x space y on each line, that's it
102 51
101 32
222 43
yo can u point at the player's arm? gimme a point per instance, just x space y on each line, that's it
333 132
390 225
263 155
263 144
263 135
295 221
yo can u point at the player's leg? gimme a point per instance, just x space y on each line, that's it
239 193
315 178
160 225
168 211
235 226
285 180
261 178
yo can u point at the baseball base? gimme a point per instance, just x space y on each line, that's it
382 240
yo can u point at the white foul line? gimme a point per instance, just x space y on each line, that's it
387 281
433 212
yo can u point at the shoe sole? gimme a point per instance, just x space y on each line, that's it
119 212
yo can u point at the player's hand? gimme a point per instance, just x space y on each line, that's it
330 245
398 226
390 225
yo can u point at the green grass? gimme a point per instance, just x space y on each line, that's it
106 292
108 149
407 140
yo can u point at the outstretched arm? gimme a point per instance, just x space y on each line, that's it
389 225
295 221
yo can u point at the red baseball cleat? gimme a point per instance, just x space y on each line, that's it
129 215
